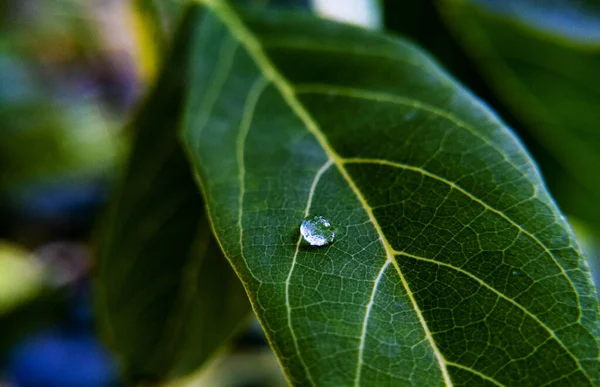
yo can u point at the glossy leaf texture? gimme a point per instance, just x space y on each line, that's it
167 296
542 59
451 265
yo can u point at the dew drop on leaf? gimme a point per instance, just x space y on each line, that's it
317 231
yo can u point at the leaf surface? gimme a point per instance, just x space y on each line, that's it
451 265
168 296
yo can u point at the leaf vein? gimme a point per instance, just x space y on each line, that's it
499 294
313 187
223 66
472 197
256 90
379 96
475 372
363 333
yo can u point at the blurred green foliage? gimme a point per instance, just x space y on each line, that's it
21 277
55 122
542 60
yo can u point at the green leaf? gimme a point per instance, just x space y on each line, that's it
168 296
21 277
451 265
542 59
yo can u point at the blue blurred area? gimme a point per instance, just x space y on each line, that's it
67 356
16 84
75 200
574 19
57 358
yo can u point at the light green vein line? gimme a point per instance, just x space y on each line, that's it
492 289
250 106
238 29
554 382
472 197
363 333
223 66
475 372
288 306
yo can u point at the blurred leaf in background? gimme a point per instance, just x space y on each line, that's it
590 245
542 60
168 298
258 368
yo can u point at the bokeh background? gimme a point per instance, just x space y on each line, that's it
74 72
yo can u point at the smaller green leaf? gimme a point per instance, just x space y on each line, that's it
168 297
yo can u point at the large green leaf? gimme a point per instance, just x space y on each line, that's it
168 297
542 58
451 264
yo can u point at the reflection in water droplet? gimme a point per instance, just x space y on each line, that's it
317 231
515 272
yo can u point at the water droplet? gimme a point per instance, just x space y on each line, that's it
515 272
317 230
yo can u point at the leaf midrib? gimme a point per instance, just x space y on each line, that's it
246 38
